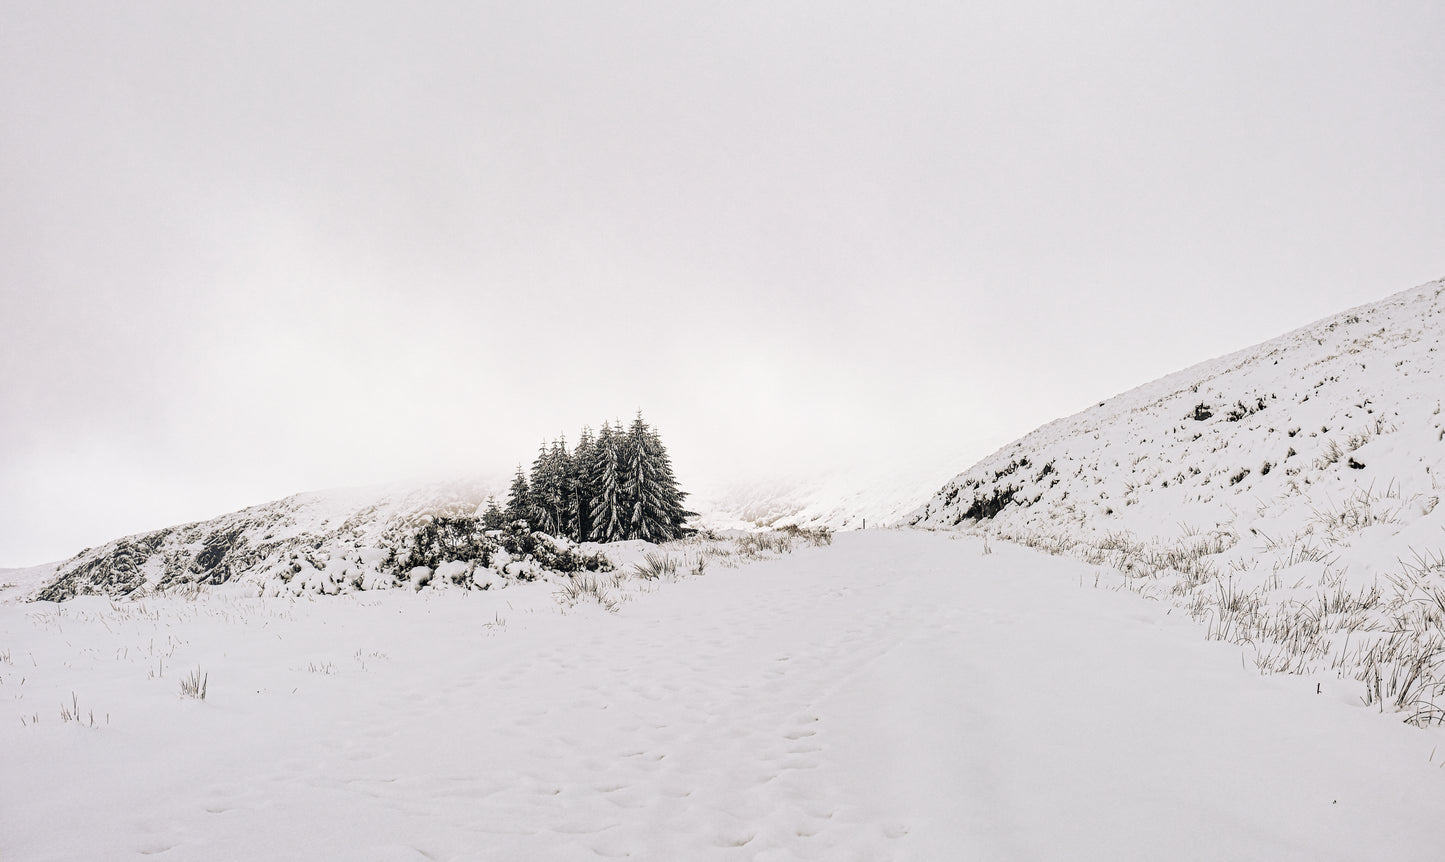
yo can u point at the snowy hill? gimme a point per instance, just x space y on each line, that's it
18 584
323 542
1344 407
1284 493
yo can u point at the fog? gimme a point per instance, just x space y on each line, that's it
249 249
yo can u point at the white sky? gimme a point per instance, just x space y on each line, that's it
251 251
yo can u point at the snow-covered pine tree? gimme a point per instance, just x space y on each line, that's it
580 487
519 499
563 514
608 515
492 517
644 489
676 514
546 491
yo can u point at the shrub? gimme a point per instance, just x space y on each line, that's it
985 506
518 539
444 539
815 536
559 556
1241 410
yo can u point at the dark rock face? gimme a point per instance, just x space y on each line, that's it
115 571
119 567
226 553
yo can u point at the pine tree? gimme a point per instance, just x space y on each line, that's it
580 487
608 516
647 498
546 491
551 503
519 499
675 514
492 517
560 464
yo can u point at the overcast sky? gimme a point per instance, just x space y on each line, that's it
255 250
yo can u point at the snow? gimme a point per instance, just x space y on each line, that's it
16 585
896 695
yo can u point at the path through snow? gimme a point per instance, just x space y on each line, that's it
899 695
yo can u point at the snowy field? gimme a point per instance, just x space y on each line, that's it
898 695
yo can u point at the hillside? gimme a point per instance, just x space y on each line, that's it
16 585
1287 494
320 542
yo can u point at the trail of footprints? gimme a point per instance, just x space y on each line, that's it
634 743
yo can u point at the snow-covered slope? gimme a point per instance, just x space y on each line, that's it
1270 435
18 584
1287 494
324 542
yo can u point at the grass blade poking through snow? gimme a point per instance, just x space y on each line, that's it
194 685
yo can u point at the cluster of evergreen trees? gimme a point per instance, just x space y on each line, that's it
615 485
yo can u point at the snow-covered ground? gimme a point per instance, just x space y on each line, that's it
897 695
17 585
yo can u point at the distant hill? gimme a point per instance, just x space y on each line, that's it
841 500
